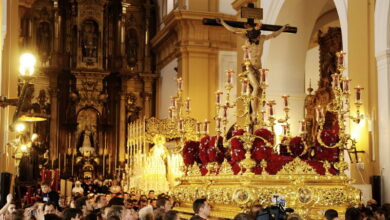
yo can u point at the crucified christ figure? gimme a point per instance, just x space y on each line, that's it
254 44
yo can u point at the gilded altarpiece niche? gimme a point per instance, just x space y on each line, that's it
94 58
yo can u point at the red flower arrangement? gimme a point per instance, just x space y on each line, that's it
203 147
191 152
297 147
260 150
216 151
238 151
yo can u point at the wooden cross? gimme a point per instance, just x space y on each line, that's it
250 13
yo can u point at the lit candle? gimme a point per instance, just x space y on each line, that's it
181 125
198 127
346 85
284 128
206 126
340 58
336 80
188 106
358 93
271 103
263 75
244 85
179 84
285 98
218 97
229 75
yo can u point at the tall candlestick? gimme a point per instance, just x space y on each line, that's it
358 93
263 75
285 99
198 127
346 85
340 59
206 127
229 77
188 106
181 125
336 80
270 104
218 97
173 101
179 84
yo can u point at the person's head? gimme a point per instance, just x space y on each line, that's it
72 214
17 215
114 212
143 203
45 186
78 184
171 215
353 214
49 208
201 207
91 216
330 214
243 216
82 203
11 208
255 209
101 201
164 203
151 194
116 201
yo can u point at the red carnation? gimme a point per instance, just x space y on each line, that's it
216 153
203 147
266 134
330 138
260 150
190 152
296 146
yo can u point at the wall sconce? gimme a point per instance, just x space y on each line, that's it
24 110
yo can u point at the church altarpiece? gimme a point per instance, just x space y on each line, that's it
95 76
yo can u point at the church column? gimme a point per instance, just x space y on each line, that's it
56 60
9 79
53 124
122 124
148 80
122 33
147 63
361 69
383 66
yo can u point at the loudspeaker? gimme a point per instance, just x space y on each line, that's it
376 189
5 184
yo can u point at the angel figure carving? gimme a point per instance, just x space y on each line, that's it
253 50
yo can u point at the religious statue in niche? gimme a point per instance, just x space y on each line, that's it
87 131
89 41
131 47
253 50
44 42
132 110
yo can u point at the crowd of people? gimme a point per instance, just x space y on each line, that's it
96 201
